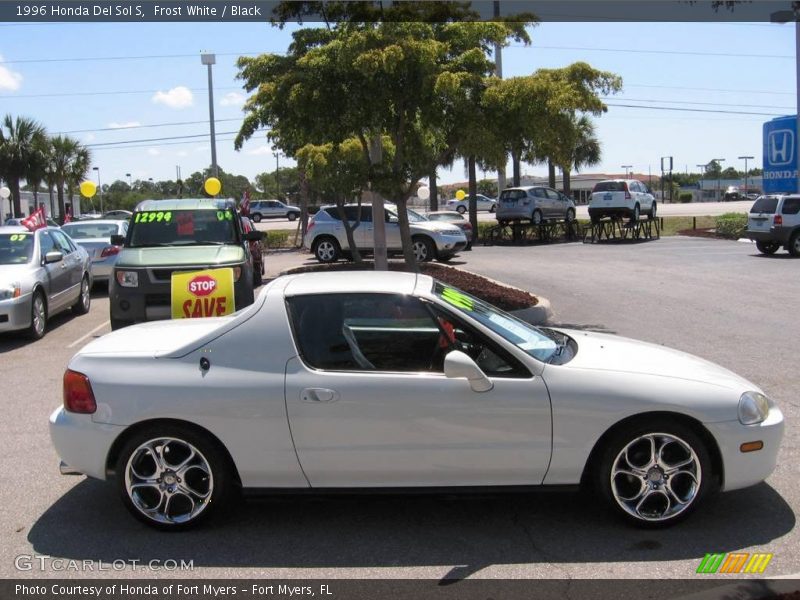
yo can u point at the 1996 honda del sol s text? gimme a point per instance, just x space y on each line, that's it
386 380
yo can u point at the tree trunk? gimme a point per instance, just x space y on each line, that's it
473 199
60 191
405 236
565 180
349 229
515 160
13 184
301 172
52 199
378 218
551 174
434 197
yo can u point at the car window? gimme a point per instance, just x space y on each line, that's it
609 186
791 206
414 217
183 227
552 194
539 192
513 194
16 248
46 243
765 204
83 230
62 242
366 332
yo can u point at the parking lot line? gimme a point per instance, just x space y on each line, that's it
83 337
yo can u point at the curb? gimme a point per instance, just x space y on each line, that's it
748 589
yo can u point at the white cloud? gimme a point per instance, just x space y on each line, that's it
183 153
124 124
177 97
232 99
205 148
153 151
89 137
260 151
10 81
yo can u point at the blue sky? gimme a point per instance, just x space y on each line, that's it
699 66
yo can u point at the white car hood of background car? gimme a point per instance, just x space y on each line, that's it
604 352
437 226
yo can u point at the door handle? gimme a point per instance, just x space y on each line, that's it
319 395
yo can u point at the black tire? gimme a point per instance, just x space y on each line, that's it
207 480
594 219
119 323
257 279
447 257
38 326
794 244
256 218
570 215
292 216
653 210
461 209
326 249
536 217
84 301
767 247
493 208
631 449
423 248
636 214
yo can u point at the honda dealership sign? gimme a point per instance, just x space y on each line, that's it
780 155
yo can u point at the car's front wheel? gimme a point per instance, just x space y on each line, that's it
767 247
292 216
461 209
536 217
654 473
84 301
326 249
570 217
423 249
492 208
256 218
38 316
172 477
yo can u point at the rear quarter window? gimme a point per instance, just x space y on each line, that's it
791 206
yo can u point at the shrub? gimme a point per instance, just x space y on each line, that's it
731 225
685 197
276 239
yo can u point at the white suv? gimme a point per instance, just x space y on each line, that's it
621 198
774 221
327 239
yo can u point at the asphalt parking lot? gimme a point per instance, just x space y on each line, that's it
718 299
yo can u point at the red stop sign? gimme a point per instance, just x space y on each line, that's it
202 285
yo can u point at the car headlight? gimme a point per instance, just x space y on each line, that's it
753 408
128 278
10 290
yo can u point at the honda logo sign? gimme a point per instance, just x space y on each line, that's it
780 147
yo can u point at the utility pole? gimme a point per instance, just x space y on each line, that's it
498 70
746 158
209 60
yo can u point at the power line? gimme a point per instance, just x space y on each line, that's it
116 58
700 89
105 93
700 110
672 52
707 103
122 128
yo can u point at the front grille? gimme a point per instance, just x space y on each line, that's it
166 274
157 300
3 318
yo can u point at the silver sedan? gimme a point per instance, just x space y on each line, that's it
42 273
95 237
394 380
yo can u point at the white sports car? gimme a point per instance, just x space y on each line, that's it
387 380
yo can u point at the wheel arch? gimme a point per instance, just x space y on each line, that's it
122 439
696 426
38 287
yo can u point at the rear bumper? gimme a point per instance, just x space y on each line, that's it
510 213
81 444
613 212
775 234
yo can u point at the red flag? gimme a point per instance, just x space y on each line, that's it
244 207
36 221
68 217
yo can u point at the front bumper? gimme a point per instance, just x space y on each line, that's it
81 444
743 469
15 313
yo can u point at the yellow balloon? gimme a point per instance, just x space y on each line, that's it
460 195
88 189
212 186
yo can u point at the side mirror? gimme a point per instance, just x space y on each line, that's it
458 365
53 256
117 240
393 220
254 236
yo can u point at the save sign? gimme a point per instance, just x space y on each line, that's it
206 293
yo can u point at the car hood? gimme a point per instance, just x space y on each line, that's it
180 255
12 273
433 226
605 352
157 338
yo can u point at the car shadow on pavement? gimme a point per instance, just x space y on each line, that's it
473 532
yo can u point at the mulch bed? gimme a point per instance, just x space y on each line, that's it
504 297
703 233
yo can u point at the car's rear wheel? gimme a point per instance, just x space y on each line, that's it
256 218
84 301
794 244
492 208
570 217
536 217
292 216
654 473
38 325
767 247
653 211
636 213
257 278
172 477
423 249
461 209
326 249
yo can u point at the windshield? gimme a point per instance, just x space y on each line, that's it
523 335
415 217
182 228
81 231
16 248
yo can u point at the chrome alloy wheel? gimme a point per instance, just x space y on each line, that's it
39 315
421 250
86 295
326 251
656 477
168 480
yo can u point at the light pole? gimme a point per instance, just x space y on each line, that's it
746 158
719 176
128 175
277 154
784 16
626 167
702 180
209 60
99 188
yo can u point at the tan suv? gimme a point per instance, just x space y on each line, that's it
774 221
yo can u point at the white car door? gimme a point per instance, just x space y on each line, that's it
369 405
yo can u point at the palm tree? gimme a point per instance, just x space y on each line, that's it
63 152
19 139
582 148
38 167
78 169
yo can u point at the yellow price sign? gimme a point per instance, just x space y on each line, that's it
198 294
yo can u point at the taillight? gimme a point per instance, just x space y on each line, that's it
627 193
777 220
468 226
78 394
310 226
109 251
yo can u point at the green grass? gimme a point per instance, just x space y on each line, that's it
673 225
